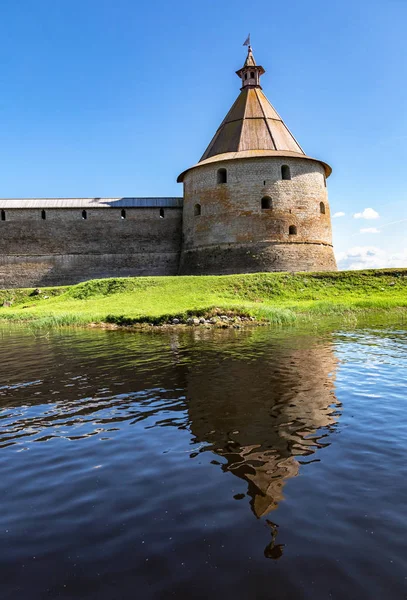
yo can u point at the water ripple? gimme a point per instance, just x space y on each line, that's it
190 464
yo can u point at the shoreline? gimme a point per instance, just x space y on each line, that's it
220 302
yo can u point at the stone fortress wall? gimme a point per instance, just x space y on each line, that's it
70 246
271 214
254 202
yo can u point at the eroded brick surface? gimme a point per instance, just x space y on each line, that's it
234 234
66 249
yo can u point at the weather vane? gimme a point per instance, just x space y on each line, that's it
247 41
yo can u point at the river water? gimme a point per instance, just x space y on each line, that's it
203 464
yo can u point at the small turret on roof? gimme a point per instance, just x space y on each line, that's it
250 73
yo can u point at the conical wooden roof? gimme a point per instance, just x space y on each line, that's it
252 124
252 128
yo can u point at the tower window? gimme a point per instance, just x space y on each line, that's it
292 230
266 203
252 74
322 208
324 181
161 213
3 215
197 210
123 214
43 215
84 215
285 172
222 176
245 75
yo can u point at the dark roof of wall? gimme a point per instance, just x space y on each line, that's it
7 203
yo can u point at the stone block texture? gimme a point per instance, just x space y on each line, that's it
65 248
256 221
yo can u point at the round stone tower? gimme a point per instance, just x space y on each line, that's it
255 201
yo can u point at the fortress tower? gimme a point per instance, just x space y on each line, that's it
255 201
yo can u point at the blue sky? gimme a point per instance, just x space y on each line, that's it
109 98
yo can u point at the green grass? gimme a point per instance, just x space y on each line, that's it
274 297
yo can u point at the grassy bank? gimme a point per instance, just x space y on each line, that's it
274 297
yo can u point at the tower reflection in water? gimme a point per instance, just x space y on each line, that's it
263 402
263 409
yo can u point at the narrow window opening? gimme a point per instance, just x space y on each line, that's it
292 230
252 75
197 210
161 213
43 215
322 208
285 172
222 176
266 203
324 181
84 215
264 182
123 214
3 215
245 75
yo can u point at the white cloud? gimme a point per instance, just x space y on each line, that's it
338 214
369 230
368 213
370 257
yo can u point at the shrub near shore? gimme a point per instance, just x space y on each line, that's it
269 297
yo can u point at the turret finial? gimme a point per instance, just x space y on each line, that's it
250 73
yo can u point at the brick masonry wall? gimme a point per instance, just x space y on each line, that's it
234 234
66 249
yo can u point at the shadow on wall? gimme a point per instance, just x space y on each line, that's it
43 271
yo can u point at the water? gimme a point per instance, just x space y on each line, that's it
203 464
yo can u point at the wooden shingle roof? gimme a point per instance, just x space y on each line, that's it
252 127
252 124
